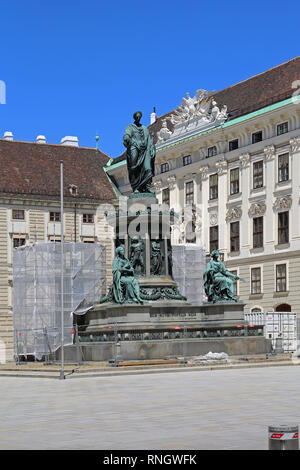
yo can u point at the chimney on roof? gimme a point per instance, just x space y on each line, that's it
153 116
69 140
41 139
8 136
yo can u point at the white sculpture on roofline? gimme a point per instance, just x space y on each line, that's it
194 114
164 133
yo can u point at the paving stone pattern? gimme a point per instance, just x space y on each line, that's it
218 409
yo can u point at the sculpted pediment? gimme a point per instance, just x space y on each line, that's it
284 202
257 209
233 213
193 115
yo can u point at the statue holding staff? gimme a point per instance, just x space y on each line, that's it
140 155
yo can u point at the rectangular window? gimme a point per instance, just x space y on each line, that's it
187 160
257 137
283 167
164 167
234 282
166 196
258 232
189 193
258 174
234 181
281 285
234 236
18 242
211 151
18 214
88 218
233 144
54 216
255 281
283 227
213 186
213 238
282 128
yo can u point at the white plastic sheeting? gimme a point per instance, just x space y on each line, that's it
189 264
37 300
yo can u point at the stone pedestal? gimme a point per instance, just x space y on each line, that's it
165 324
167 329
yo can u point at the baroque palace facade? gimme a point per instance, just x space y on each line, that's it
233 158
30 205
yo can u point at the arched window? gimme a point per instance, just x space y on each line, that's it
256 310
283 308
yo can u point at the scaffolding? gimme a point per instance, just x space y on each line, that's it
37 300
188 268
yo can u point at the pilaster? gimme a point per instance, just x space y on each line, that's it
222 167
270 179
245 229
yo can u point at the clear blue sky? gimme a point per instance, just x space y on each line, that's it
81 67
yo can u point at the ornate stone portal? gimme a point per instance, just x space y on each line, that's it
153 319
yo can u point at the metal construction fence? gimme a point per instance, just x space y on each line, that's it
280 327
37 294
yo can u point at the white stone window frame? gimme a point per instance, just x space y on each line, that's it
167 162
277 226
11 237
283 122
18 209
234 253
234 167
277 263
256 159
88 214
233 140
218 183
52 238
251 219
282 151
186 182
162 190
256 307
263 137
85 239
183 159
22 236
213 153
254 266
54 212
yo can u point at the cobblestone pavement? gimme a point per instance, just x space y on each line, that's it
221 409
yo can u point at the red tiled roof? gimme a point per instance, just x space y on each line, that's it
32 171
261 90
266 88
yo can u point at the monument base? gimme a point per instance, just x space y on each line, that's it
167 349
164 329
